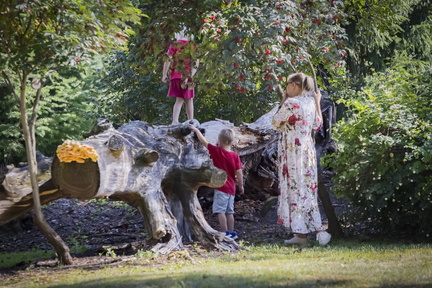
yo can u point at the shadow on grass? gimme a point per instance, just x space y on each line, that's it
347 243
208 281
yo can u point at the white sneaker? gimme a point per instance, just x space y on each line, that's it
296 240
323 238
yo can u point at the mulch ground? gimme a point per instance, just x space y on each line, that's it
103 226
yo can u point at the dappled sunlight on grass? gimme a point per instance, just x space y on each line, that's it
341 264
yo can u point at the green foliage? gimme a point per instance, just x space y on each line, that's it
12 259
39 39
63 113
384 162
417 37
379 29
109 252
146 254
12 149
255 44
246 49
125 95
234 106
40 35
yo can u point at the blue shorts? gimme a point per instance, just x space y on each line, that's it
223 202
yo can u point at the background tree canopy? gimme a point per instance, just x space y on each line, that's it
41 40
384 160
246 49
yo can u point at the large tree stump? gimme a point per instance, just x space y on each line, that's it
157 169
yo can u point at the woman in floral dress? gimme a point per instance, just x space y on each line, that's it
299 114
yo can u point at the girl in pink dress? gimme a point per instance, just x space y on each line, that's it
181 84
297 116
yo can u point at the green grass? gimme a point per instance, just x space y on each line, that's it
12 259
341 264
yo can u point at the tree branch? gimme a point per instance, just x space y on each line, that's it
292 67
29 24
36 105
313 74
10 86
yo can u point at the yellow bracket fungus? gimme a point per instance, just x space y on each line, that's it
72 150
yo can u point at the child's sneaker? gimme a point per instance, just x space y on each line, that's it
227 233
323 238
234 235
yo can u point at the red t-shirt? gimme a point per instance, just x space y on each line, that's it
175 50
229 161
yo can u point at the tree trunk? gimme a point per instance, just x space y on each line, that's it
325 145
28 127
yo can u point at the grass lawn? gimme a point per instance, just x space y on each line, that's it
340 264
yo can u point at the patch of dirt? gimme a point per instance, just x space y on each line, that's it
93 223
110 227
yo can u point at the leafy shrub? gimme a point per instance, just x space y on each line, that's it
64 113
383 163
12 148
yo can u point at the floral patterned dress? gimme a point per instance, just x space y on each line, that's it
298 180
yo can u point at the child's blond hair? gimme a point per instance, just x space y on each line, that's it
226 136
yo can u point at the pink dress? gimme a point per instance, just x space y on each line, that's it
298 180
177 87
174 51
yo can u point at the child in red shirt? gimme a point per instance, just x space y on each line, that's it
229 161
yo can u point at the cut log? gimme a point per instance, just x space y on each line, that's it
16 194
157 169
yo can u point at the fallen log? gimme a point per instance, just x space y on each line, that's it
157 169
